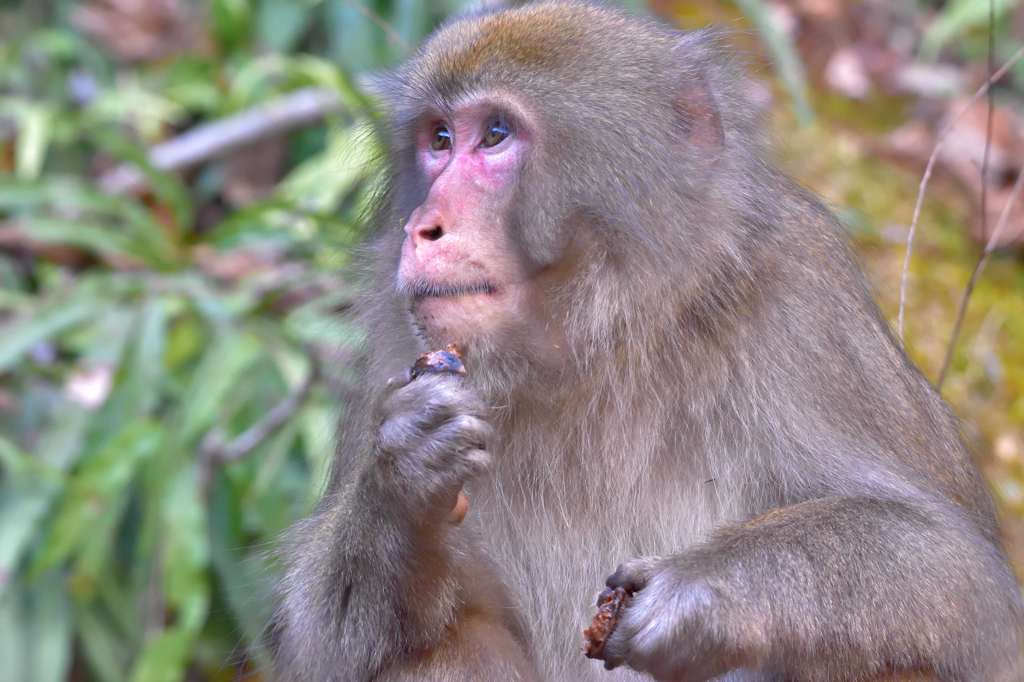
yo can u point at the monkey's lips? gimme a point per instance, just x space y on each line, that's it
422 292
458 311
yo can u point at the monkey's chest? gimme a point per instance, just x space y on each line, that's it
554 559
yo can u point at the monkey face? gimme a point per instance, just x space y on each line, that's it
464 276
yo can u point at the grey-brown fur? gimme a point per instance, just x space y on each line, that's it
733 403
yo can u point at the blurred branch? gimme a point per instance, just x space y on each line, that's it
931 166
984 201
214 449
219 138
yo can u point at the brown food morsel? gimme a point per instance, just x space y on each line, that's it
458 512
447 361
609 603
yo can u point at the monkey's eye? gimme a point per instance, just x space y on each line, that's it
496 131
441 139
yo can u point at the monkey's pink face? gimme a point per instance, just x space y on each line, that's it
464 276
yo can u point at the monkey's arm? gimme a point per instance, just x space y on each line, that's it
378 582
837 589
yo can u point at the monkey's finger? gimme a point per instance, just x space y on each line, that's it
633 575
477 461
614 653
399 380
476 432
464 433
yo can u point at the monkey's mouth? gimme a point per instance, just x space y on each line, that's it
422 292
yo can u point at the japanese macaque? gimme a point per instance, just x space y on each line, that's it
676 376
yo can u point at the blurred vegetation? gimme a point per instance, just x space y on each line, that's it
139 335
173 360
842 156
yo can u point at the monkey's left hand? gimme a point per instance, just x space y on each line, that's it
675 626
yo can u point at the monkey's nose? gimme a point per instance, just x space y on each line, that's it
429 233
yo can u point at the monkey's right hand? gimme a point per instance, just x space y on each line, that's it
432 438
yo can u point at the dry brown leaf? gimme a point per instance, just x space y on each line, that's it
232 265
137 30
1013 231
961 158
965 146
821 10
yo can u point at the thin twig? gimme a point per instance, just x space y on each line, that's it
984 197
988 120
214 448
931 165
213 451
982 262
393 36
221 137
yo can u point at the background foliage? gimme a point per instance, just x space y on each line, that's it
140 332
144 335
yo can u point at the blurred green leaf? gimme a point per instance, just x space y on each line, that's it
123 356
19 338
21 510
12 634
165 658
321 182
785 57
264 499
133 105
280 23
166 187
319 431
35 631
48 630
25 503
104 646
222 365
23 195
35 128
247 581
145 376
956 19
354 37
411 20
16 463
96 238
313 70
89 514
232 20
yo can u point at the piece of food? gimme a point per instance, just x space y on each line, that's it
447 361
459 511
609 603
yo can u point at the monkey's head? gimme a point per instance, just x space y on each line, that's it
538 154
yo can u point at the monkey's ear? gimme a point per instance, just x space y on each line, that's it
700 119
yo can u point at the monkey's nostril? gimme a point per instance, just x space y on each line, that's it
433 234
